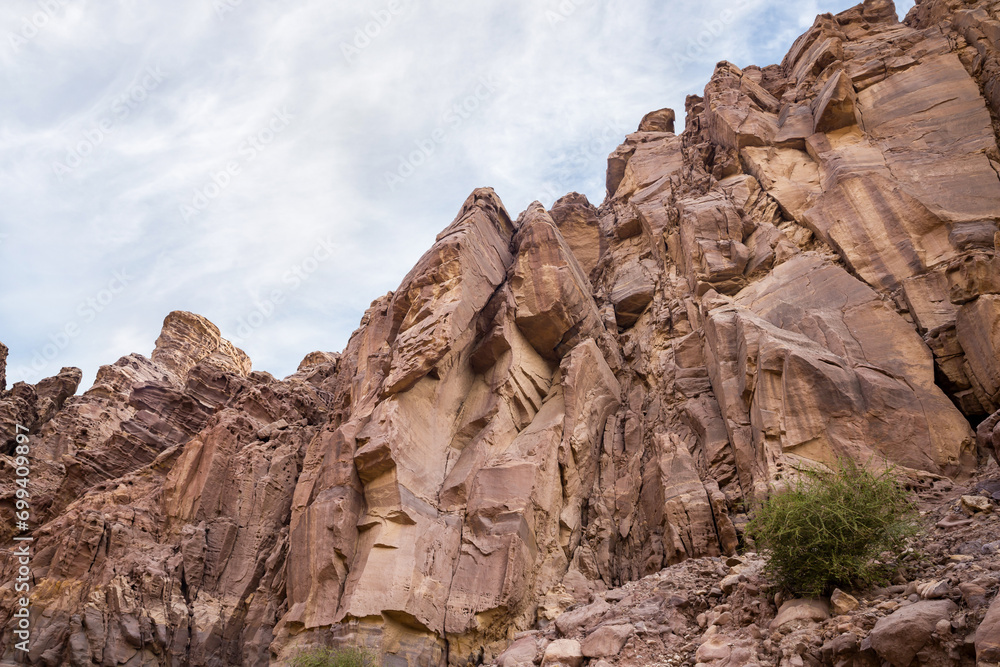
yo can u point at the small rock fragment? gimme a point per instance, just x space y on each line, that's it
973 594
729 583
975 504
841 602
933 590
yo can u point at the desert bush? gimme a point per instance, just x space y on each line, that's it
336 657
841 528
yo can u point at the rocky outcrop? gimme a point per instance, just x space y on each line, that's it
163 490
3 366
552 407
577 221
811 363
722 612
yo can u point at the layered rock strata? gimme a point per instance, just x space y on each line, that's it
558 404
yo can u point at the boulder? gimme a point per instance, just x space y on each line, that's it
582 617
988 635
800 611
563 653
607 640
899 636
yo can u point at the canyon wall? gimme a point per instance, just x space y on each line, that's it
560 403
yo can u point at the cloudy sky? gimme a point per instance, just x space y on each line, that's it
275 165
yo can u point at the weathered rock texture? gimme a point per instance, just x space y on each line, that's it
555 405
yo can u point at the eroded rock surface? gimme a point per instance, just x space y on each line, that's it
551 407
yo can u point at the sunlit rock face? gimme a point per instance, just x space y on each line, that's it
558 403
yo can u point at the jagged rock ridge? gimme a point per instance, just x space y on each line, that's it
550 406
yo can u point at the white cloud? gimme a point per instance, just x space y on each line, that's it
562 88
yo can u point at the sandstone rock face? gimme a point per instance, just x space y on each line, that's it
988 436
187 339
661 120
3 366
776 344
577 220
556 405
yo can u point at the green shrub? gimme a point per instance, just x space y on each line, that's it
336 657
833 529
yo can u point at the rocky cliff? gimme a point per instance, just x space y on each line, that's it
558 404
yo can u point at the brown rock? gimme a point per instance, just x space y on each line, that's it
440 297
711 236
652 157
576 219
842 603
973 504
716 647
938 101
789 175
974 595
616 166
3 366
658 121
186 339
607 640
52 393
799 611
816 50
556 406
633 291
582 617
833 108
988 435
552 295
795 123
563 653
978 332
933 590
521 653
732 118
798 359
314 359
899 636
988 635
